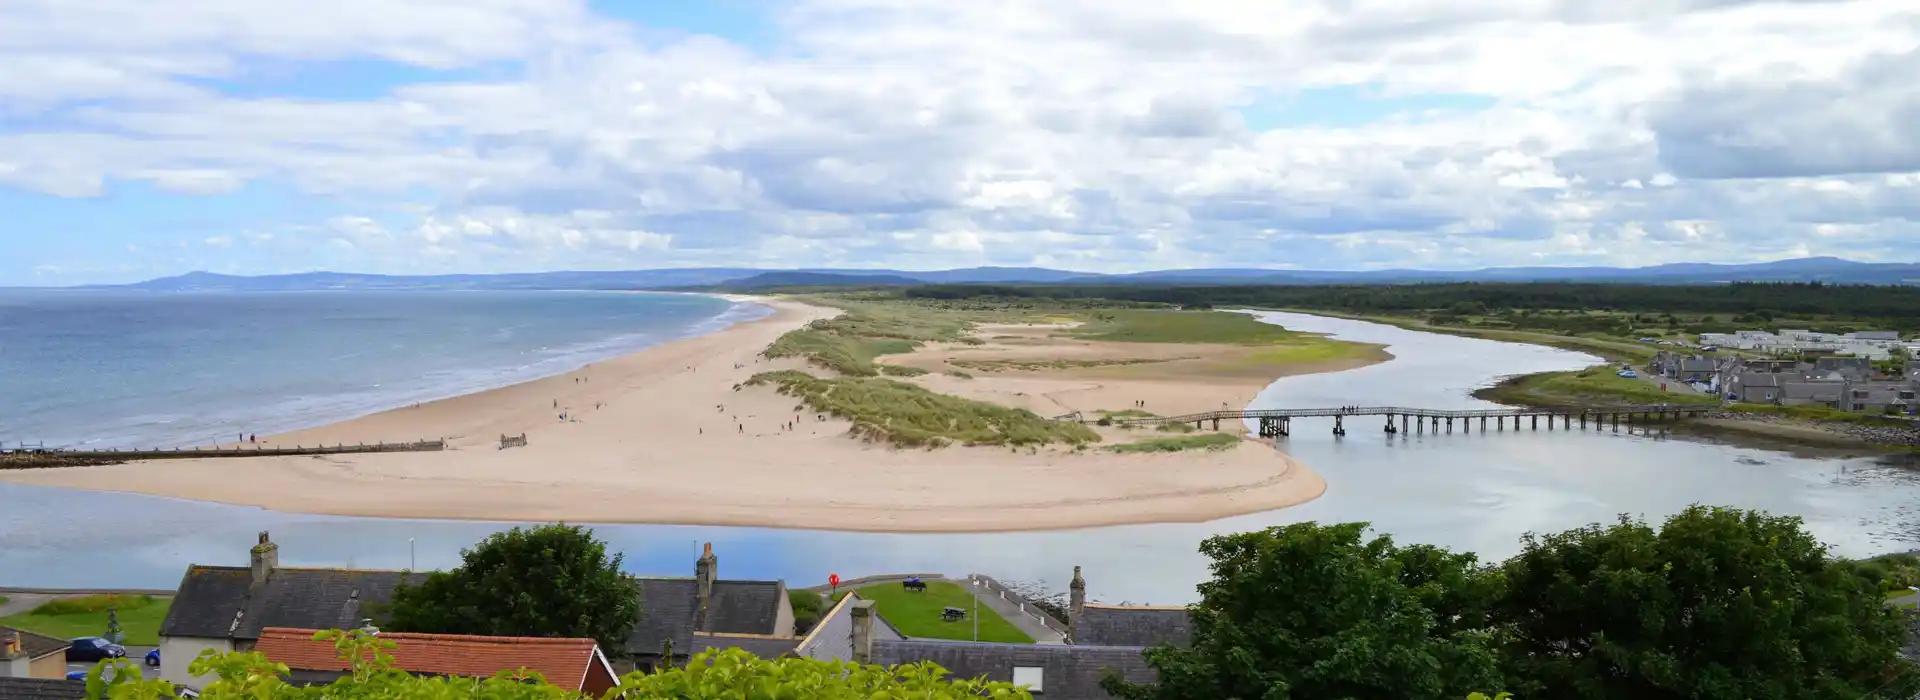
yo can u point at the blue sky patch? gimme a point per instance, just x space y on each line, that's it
1351 106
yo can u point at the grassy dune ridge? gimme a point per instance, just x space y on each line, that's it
909 415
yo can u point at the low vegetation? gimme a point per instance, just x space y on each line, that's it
732 674
917 614
908 415
1173 326
1033 365
86 616
1594 386
1209 441
901 371
808 607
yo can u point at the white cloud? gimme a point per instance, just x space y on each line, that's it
938 133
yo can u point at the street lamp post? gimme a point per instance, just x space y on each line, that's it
412 564
976 609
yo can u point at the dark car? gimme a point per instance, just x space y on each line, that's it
94 649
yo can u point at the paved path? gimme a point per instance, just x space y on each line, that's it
1040 633
22 602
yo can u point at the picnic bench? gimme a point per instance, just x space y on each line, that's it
914 585
953 614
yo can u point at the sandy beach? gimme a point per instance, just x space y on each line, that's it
666 436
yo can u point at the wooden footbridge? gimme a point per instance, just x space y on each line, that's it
1278 422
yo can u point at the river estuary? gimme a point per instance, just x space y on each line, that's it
1465 490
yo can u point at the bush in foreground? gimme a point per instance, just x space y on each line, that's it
713 675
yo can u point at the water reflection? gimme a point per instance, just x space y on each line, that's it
1466 490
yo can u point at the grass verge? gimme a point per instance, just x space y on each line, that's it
86 616
1819 414
1593 386
1210 441
908 415
918 614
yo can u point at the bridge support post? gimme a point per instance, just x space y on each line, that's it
1536 422
1566 421
1286 427
1583 420
1216 425
1403 423
1549 422
1338 428
1500 423
1483 424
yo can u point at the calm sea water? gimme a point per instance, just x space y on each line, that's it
119 369
1468 490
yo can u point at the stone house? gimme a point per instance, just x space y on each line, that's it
225 608
1817 392
1881 397
684 617
1752 387
1102 640
575 665
25 654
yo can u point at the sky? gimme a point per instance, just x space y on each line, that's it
141 139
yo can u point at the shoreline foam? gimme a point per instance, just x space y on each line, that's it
664 436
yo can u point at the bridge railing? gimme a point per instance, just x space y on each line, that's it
1414 413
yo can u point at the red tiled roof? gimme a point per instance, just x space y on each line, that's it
564 662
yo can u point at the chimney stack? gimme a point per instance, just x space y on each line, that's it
1076 601
13 644
704 573
862 630
266 558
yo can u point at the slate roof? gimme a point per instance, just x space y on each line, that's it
563 662
34 645
1102 625
765 647
42 689
667 606
210 598
1069 672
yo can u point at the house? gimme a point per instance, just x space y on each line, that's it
1754 387
851 631
1818 392
1853 368
1881 397
42 688
24 654
225 608
576 665
683 617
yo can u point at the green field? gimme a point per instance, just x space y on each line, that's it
1171 326
140 617
909 415
1815 413
1593 386
918 614
1210 441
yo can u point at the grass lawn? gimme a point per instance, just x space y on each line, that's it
1166 326
1210 441
1593 386
918 614
140 618
909 415
1815 413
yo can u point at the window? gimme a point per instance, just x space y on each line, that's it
1028 676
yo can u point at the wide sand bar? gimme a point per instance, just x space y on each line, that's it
663 436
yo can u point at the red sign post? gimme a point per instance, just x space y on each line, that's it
833 580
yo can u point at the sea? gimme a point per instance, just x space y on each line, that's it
119 369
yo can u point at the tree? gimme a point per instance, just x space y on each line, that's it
713 675
1718 603
546 581
1312 611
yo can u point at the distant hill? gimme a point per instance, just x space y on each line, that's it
1801 270
798 278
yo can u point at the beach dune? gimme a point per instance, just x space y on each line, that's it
667 436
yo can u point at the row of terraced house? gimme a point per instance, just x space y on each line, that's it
273 609
1843 383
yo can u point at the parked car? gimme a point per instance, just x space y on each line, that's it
94 649
76 675
153 658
